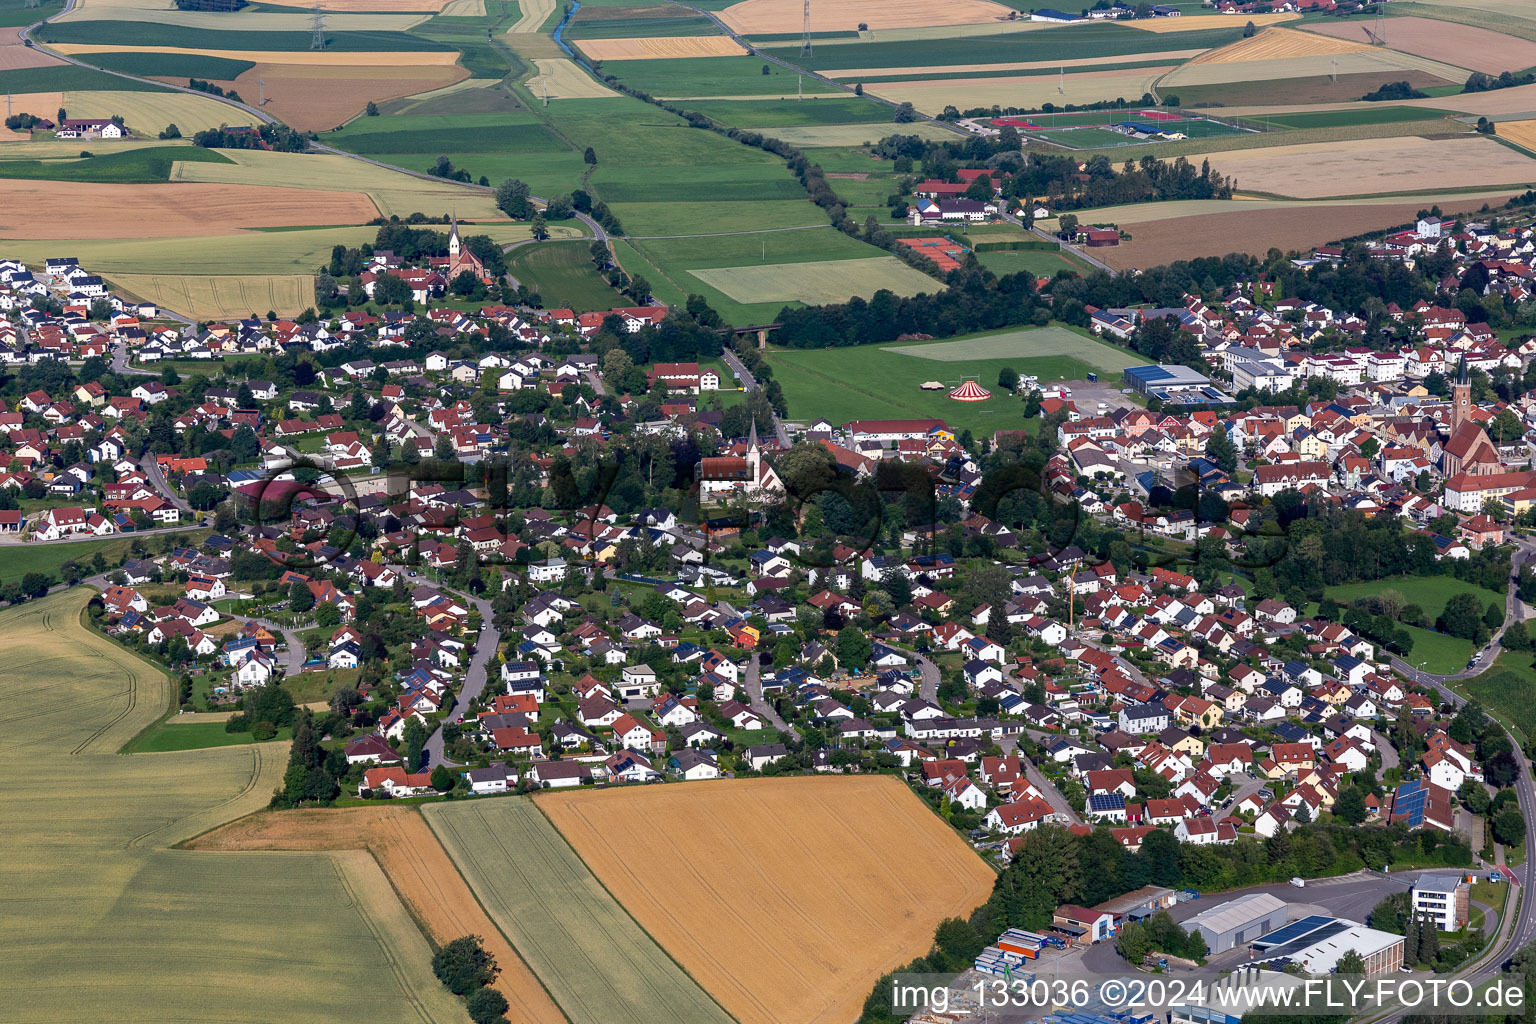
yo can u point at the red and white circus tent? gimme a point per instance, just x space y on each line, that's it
970 391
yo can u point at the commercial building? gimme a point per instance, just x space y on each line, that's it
1174 385
1443 898
1238 922
1316 944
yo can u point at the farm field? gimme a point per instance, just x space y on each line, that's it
215 298
183 37
415 863
1313 88
105 922
315 58
174 735
817 110
834 882
596 962
564 276
1521 133
657 219
171 68
660 47
1344 65
714 77
1046 66
392 192
257 252
318 98
769 16
1265 226
931 96
1038 262
817 283
1277 43
15 55
149 112
69 209
561 79
880 382
1508 689
822 135
1477 49
1375 166
251 19
149 164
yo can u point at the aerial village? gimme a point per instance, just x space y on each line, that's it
498 549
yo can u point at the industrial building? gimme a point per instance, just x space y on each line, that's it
1238 922
1443 898
1175 385
1316 943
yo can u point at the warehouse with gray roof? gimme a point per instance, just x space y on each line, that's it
1238 922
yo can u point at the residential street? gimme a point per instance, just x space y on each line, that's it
475 679
752 682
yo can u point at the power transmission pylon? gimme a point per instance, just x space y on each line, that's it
318 42
805 42
1381 26
261 92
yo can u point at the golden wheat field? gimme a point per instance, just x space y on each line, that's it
661 47
78 209
1026 91
1025 65
765 16
1521 133
785 898
1276 43
149 112
1197 24
314 58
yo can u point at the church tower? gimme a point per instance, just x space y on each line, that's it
454 247
1461 397
754 455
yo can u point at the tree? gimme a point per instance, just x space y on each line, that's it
1350 963
415 739
1008 378
371 110
1350 806
589 157
512 199
905 113
1461 617
486 1006
1066 225
1509 825
1220 450
539 228
1249 30
1475 795
300 598
171 131
853 647
463 965
442 778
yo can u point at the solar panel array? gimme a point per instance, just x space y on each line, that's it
1409 803
1294 930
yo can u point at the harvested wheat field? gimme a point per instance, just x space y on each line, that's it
206 297
1028 91
1256 231
417 867
315 58
14 55
532 15
280 19
38 104
661 47
76 209
1344 65
362 6
1375 166
1476 49
563 80
320 98
768 16
1275 43
148 112
786 898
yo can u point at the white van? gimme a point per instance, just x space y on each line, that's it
1298 882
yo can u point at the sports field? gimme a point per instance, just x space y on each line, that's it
203 297
597 963
832 882
416 865
878 382
818 283
104 921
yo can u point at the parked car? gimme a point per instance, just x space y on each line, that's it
1299 882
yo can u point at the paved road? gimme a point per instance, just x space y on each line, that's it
597 382
120 363
291 661
928 685
1044 785
752 682
475 678
158 481
749 383
1389 756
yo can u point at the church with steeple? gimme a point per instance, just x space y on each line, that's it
460 258
1468 450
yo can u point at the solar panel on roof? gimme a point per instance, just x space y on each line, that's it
1310 939
1294 930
